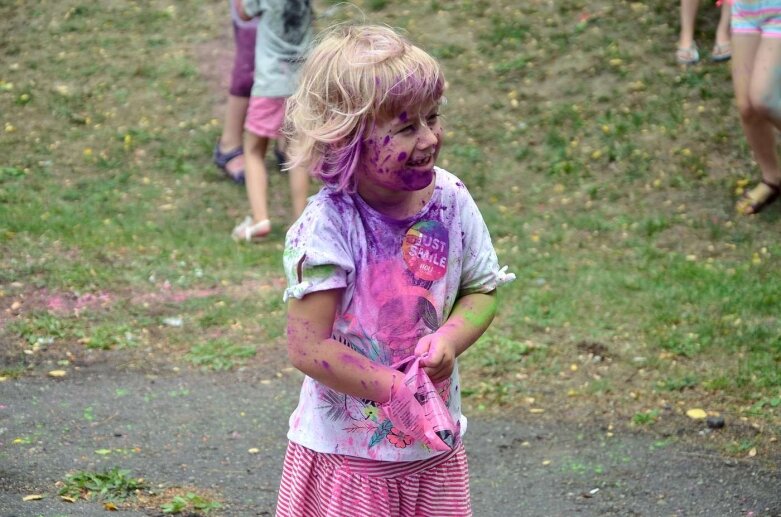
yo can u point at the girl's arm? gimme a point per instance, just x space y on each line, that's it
312 350
470 317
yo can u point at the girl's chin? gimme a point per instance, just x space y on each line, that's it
419 180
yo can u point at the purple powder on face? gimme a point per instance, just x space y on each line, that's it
326 365
402 156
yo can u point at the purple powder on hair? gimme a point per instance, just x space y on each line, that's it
402 156
403 116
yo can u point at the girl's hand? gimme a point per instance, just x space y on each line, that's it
437 356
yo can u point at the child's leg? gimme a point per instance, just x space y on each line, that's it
722 31
765 90
688 16
687 53
257 177
722 49
299 183
299 189
233 125
752 74
756 90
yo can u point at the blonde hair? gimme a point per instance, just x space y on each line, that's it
354 77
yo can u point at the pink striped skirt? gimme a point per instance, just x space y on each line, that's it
331 485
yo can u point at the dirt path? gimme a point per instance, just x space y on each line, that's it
195 431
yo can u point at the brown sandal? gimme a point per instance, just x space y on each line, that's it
755 200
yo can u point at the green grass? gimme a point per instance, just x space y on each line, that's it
189 501
606 174
110 485
645 417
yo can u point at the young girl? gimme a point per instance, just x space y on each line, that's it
390 260
284 32
756 75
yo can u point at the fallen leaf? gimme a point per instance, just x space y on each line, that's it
110 506
32 497
253 450
68 498
752 452
103 452
696 414
58 373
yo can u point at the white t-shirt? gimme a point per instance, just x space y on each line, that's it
401 279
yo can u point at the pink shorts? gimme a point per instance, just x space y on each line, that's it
757 17
265 116
331 485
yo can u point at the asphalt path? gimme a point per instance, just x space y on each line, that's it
225 432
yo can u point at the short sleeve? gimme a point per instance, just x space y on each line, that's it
480 267
317 254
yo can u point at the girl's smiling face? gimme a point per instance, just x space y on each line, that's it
399 154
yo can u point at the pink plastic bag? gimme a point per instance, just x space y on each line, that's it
416 408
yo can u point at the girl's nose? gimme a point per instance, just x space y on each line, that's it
427 137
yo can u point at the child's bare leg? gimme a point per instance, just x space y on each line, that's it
299 189
760 116
299 183
688 16
722 31
256 175
765 90
233 125
751 68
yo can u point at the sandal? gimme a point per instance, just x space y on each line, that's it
247 231
221 160
755 200
721 52
688 56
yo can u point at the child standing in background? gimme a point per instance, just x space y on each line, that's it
391 260
284 33
228 151
756 76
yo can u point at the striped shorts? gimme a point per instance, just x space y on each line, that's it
757 17
331 485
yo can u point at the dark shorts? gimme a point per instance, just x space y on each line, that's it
243 59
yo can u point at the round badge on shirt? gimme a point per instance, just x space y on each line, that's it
425 250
